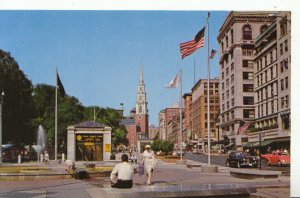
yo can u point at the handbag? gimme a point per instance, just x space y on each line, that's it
141 169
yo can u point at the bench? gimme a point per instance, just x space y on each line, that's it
183 190
254 174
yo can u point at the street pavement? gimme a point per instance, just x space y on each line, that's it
164 174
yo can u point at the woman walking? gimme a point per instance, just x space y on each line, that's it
149 162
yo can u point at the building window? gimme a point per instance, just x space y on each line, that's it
222 75
232 115
282 84
227 94
248 75
226 41
266 76
258 95
248 87
232 66
227 104
258 111
223 96
263 28
281 49
247 32
271 57
281 66
262 110
248 100
248 63
287 100
286 82
258 81
283 27
266 92
247 51
272 106
272 91
282 102
266 61
286 63
232 90
286 47
222 46
223 107
271 72
232 102
267 108
227 82
231 36
223 86
227 71
248 113
232 78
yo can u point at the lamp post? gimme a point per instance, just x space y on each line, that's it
1 105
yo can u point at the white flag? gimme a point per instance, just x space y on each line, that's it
174 82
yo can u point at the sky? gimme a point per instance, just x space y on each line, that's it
98 53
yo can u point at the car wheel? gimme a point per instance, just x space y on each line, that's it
279 163
238 165
227 164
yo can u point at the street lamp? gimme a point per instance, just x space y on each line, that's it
1 104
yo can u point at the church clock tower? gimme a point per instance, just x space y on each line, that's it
141 116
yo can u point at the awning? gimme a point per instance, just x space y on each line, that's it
257 144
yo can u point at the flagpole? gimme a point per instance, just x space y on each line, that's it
208 93
180 103
55 147
194 71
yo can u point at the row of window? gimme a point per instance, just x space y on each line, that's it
247 113
263 93
284 83
267 75
283 47
266 60
267 108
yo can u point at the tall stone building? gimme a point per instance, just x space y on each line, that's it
165 116
272 74
199 110
237 42
141 116
153 131
187 121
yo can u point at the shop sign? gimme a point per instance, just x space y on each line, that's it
107 148
89 138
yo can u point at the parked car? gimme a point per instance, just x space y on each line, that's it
277 158
241 159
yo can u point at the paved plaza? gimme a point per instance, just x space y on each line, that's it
165 174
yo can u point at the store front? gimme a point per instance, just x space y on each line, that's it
89 141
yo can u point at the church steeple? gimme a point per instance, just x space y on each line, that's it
141 74
141 116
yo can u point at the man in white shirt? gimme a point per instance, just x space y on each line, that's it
124 172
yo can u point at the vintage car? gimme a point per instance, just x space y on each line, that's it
277 158
241 159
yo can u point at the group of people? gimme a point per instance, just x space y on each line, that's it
122 174
44 157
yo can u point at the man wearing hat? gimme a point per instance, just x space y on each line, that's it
149 163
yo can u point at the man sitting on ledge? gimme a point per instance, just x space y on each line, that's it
124 172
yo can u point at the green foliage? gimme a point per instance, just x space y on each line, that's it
17 104
162 145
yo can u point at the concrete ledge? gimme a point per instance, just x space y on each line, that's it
209 169
23 177
254 174
193 165
180 162
205 190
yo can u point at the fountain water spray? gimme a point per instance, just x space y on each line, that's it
41 141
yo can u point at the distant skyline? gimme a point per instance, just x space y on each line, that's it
98 53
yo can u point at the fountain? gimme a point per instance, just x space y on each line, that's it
41 142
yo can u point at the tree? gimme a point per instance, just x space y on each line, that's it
18 104
162 145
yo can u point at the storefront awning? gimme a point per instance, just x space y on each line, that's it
258 144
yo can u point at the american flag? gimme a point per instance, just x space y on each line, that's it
243 126
212 54
187 48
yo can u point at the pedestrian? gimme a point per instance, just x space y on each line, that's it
70 165
132 159
149 163
124 173
46 157
92 155
42 158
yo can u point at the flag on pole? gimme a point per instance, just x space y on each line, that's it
187 48
174 82
60 86
212 54
243 126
